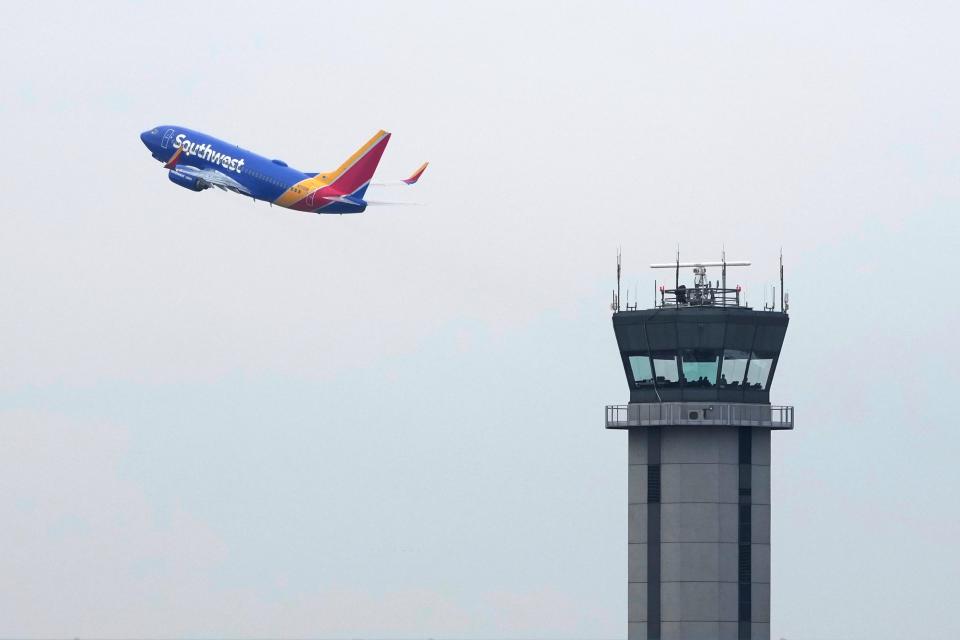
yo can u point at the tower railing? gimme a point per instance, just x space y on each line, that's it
699 296
706 414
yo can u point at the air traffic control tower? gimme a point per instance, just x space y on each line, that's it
699 366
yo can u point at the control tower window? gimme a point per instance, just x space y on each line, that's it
700 367
665 368
734 368
758 374
642 370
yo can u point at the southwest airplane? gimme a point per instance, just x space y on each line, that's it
197 161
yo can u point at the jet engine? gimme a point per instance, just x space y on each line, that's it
187 182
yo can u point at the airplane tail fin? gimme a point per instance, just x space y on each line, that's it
354 175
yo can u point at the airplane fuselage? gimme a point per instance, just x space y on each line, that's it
198 161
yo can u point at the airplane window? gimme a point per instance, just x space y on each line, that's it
642 371
700 367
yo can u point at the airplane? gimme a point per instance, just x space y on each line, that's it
197 161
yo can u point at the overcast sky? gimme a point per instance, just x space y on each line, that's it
222 419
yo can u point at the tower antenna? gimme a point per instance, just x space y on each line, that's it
723 259
782 310
618 279
676 285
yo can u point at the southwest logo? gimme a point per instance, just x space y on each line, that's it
206 152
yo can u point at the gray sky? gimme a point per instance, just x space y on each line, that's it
221 419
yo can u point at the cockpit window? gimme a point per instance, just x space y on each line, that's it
154 131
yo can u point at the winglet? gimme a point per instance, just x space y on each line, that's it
416 174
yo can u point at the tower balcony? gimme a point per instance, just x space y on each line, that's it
662 414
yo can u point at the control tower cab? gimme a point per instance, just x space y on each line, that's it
699 366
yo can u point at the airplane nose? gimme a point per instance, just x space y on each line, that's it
149 139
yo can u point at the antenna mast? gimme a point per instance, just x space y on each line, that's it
723 259
676 285
618 279
782 309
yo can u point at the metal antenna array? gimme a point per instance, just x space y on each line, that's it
704 292
615 303
784 296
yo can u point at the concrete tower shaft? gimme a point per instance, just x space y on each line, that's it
698 547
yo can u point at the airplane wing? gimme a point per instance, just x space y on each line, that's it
213 178
406 181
